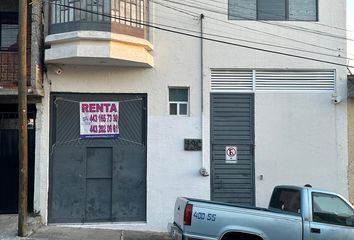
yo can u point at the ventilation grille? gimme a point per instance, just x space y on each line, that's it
231 81
295 81
226 80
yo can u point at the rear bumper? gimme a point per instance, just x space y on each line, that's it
175 232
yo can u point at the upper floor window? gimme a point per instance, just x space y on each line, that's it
277 10
8 31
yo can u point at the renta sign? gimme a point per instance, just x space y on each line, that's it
99 120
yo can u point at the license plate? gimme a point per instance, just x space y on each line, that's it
175 235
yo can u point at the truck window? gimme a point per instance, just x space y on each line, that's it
286 200
327 208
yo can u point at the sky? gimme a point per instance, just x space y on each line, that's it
350 26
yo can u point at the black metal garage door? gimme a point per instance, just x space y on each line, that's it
93 180
232 124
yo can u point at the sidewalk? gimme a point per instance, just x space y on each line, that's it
8 226
8 231
64 233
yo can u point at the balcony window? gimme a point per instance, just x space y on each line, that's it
117 16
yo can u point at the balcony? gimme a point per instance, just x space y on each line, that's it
99 32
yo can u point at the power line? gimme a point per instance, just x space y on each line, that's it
262 43
278 46
181 11
188 4
256 42
267 33
271 34
196 15
298 28
204 38
156 27
317 23
251 29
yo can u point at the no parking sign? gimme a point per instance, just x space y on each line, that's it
231 154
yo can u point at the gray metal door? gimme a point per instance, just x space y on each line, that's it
93 180
232 124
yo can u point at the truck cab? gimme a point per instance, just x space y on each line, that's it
326 215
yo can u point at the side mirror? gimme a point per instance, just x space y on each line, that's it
349 221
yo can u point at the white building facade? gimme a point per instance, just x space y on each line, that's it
263 79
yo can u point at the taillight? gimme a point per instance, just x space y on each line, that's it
188 214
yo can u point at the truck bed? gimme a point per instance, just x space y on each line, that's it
229 204
211 219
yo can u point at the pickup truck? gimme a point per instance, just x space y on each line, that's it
294 213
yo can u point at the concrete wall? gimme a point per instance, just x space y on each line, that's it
300 138
351 148
43 151
300 135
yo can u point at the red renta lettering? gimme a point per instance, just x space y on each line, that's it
98 107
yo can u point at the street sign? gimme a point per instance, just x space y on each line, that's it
231 154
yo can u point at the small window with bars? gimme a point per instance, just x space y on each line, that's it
179 101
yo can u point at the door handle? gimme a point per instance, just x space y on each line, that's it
315 230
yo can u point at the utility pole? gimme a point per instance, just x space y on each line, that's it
22 114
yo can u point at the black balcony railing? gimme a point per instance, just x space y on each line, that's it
118 16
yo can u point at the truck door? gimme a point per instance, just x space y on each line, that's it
332 218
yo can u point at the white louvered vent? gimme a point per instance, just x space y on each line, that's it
223 80
295 80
